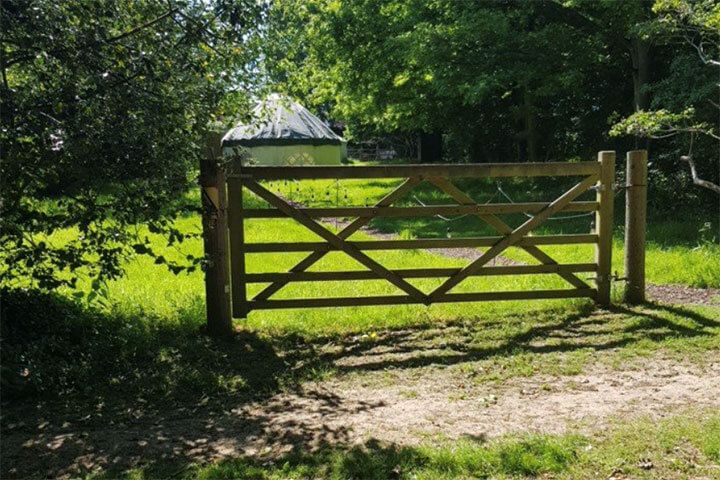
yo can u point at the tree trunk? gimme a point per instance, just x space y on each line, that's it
526 139
640 54
430 147
530 127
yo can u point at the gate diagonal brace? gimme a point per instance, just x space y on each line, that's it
346 232
514 237
351 250
502 228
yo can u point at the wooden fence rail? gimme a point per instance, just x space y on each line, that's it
467 170
429 243
424 211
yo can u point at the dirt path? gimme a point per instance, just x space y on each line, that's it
681 294
409 412
406 411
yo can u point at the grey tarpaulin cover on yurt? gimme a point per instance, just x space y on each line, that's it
283 132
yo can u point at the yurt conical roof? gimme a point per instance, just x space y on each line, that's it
279 121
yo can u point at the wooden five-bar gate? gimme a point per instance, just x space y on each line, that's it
592 175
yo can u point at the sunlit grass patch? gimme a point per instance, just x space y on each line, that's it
526 456
154 289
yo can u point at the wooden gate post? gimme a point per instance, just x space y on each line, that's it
604 225
215 239
635 224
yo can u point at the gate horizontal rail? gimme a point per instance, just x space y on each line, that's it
404 300
439 176
416 273
425 243
490 170
424 211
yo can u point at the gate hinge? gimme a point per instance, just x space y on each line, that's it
613 277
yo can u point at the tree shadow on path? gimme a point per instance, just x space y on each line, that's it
86 391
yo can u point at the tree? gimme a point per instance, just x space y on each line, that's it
500 79
686 100
104 109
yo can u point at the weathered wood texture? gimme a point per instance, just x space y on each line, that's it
513 238
604 225
403 299
237 249
353 227
416 273
335 240
215 240
469 242
635 225
501 227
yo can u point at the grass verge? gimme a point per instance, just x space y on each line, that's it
684 446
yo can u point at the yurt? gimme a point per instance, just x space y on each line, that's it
283 132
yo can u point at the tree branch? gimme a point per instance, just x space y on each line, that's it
143 26
132 31
701 52
696 179
709 133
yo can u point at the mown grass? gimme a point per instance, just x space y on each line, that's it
684 446
142 347
526 456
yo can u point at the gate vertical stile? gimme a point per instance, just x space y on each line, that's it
237 246
604 225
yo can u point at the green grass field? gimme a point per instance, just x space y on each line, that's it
143 341
151 313
681 251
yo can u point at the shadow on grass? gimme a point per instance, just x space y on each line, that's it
83 390
80 385
548 333
376 460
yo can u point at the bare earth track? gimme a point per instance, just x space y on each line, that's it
680 294
407 409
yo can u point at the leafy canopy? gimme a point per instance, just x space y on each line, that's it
104 110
